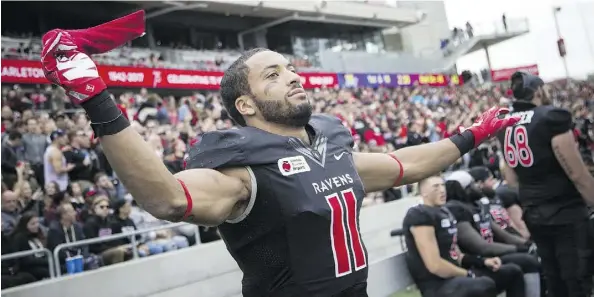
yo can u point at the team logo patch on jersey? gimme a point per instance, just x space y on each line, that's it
293 165
476 217
445 223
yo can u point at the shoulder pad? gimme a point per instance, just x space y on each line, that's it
235 148
456 204
461 211
216 149
558 121
332 128
419 215
506 195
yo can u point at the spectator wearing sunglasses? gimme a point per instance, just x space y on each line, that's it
99 225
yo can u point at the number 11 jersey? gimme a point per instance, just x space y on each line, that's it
546 193
299 235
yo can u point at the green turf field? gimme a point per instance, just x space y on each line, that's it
415 293
407 293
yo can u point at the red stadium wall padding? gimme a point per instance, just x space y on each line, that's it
499 75
30 72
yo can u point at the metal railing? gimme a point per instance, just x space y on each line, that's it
131 235
512 25
23 254
400 234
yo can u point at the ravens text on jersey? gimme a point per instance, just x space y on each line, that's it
299 235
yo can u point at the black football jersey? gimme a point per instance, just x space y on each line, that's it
446 232
499 213
546 194
301 233
505 197
479 217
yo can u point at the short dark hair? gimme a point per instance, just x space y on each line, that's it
422 183
235 84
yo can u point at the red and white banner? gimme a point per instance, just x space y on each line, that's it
30 72
505 74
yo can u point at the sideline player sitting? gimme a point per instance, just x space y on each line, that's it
554 186
435 261
505 204
480 235
285 189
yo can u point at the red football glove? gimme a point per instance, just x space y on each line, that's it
490 123
66 66
65 55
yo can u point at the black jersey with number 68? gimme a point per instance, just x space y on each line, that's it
546 193
299 235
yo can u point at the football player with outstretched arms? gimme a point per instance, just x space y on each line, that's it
285 189
554 186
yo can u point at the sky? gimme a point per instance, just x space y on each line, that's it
576 23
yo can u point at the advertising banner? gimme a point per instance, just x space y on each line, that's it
499 75
30 72
396 80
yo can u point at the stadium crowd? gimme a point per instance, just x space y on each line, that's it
57 186
47 201
26 47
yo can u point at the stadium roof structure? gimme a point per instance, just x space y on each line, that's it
358 13
487 35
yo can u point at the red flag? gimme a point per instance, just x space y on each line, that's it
110 35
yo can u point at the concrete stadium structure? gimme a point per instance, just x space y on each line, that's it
209 271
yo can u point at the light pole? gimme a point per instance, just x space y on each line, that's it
586 31
557 9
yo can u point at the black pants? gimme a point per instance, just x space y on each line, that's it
487 284
39 174
509 279
39 272
528 263
482 286
565 252
13 280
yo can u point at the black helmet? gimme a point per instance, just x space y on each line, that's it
524 85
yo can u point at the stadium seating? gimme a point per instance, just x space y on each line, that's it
209 271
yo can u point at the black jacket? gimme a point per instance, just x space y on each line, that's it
21 242
98 227
57 236
119 225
